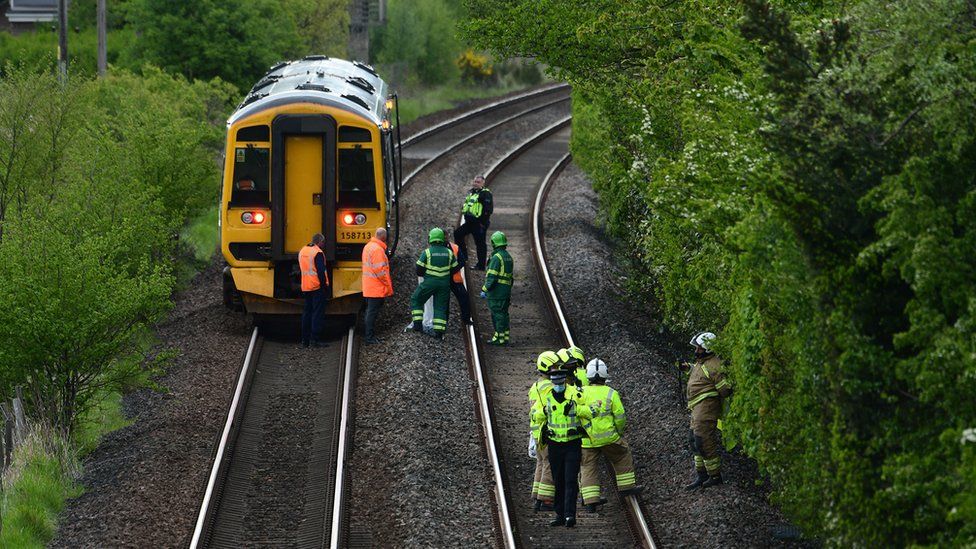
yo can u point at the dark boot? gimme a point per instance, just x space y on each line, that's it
418 326
702 477
713 481
632 491
538 505
558 521
570 522
591 508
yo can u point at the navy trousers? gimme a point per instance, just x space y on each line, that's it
312 316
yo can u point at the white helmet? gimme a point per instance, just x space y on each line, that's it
597 367
702 340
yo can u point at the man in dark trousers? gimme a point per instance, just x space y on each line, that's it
315 281
476 210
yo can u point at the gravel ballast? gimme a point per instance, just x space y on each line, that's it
419 476
641 359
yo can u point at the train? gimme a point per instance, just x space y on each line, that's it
313 147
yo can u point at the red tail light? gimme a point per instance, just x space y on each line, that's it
253 218
353 218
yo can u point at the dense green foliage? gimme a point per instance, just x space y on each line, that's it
800 178
235 41
418 41
96 179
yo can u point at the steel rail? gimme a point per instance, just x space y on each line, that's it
467 139
426 132
222 446
339 493
506 527
638 522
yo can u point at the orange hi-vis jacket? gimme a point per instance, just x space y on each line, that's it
306 261
376 270
457 276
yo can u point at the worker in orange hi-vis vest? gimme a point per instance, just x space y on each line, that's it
315 280
377 284
458 289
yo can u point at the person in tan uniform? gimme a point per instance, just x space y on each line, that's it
707 389
604 436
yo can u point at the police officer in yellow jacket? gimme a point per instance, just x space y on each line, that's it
707 388
604 430
574 361
543 489
556 417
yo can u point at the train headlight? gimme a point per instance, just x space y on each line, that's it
353 218
253 218
389 104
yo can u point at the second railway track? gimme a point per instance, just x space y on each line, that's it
519 181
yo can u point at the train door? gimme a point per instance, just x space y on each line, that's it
303 194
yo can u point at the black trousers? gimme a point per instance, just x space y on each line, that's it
564 460
312 315
373 305
463 301
477 231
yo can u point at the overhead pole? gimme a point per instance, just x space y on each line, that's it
63 40
102 39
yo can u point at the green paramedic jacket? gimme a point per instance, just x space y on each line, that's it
608 419
437 263
498 282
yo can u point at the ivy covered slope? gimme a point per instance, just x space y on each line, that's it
799 177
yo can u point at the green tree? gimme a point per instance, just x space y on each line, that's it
96 179
323 25
420 36
236 41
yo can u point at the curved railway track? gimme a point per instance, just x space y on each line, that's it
279 466
520 181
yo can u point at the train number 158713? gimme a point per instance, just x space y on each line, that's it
355 235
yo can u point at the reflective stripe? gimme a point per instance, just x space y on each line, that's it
694 402
375 265
723 383
372 275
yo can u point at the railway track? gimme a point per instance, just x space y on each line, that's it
279 468
520 181
278 471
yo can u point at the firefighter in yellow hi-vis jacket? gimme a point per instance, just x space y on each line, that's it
604 436
707 388
543 489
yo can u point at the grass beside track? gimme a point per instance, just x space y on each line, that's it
35 488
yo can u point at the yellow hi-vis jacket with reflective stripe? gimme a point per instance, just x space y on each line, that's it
608 418
559 421
536 392
707 380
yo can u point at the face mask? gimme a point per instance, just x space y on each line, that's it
561 388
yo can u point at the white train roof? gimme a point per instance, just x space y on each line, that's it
347 85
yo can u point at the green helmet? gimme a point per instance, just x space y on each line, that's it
498 239
546 361
436 235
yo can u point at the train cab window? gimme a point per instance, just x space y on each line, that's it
352 134
357 184
252 170
254 133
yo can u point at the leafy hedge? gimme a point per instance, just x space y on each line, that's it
799 177
96 179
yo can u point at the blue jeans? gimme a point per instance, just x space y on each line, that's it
312 315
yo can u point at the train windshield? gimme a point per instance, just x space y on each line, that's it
357 182
252 174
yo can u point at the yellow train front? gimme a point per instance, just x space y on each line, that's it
310 149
